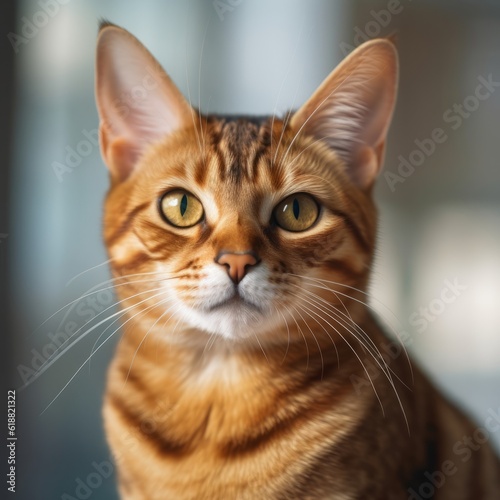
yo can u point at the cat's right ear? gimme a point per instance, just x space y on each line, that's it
137 102
351 110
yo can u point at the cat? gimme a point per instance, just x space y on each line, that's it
241 250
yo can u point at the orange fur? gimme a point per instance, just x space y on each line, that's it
254 395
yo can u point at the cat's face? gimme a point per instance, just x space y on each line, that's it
234 229
224 224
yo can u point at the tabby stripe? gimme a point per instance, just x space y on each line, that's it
235 172
255 163
124 226
215 140
156 440
206 231
339 266
221 163
130 377
215 135
200 173
136 260
162 248
355 230
249 443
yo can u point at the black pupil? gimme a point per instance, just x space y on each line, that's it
184 204
296 208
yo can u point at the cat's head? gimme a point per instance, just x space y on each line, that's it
227 224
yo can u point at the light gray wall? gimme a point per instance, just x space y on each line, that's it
441 223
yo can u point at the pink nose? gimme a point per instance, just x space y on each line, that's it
237 263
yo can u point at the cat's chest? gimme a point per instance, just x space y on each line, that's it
219 434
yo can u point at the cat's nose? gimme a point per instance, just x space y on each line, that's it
237 263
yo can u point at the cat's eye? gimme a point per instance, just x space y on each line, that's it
180 208
297 212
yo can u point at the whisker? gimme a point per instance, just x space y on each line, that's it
393 330
386 373
302 333
161 302
346 286
283 127
327 333
312 114
164 323
199 84
288 118
260 345
191 103
87 270
329 336
288 334
97 349
112 287
57 356
357 356
88 359
211 336
110 307
124 311
161 278
177 324
298 155
93 290
294 55
316 340
374 354
337 312
172 333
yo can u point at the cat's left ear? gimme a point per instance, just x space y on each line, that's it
352 109
138 103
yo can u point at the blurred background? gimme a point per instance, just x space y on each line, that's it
437 274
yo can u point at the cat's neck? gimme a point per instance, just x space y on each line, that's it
194 357
189 390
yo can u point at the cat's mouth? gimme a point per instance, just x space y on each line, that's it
236 301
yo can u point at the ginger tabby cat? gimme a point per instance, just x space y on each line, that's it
241 248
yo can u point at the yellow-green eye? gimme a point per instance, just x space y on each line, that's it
297 212
181 209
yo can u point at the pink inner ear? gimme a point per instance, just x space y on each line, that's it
120 154
352 109
368 161
138 103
